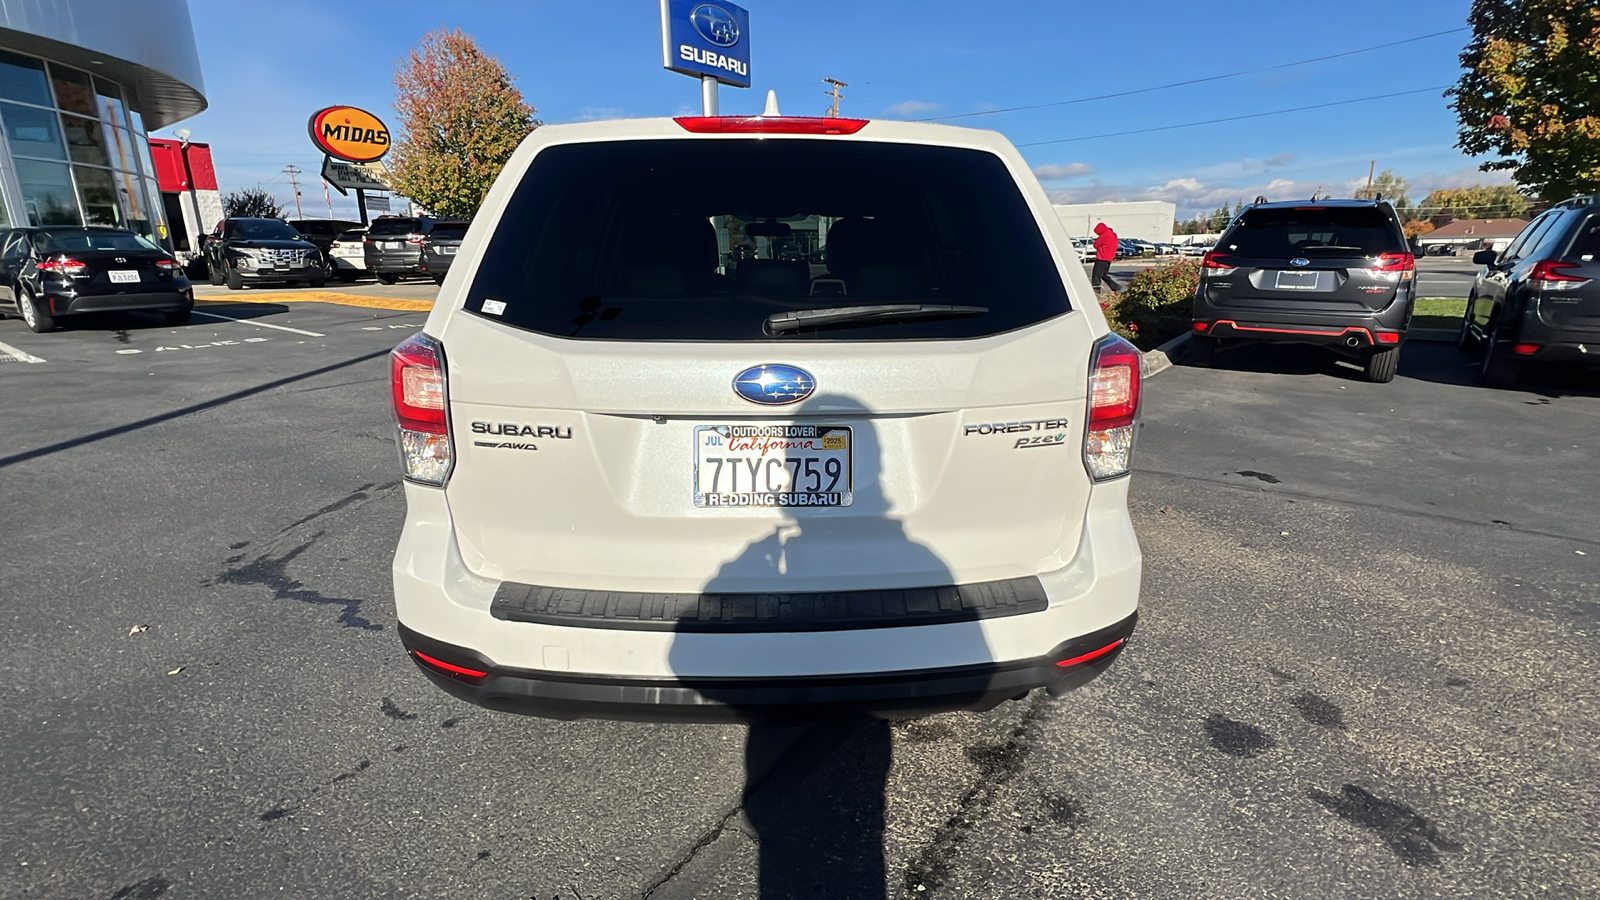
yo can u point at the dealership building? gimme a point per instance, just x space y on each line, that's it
81 84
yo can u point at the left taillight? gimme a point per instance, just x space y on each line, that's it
64 266
421 400
1114 389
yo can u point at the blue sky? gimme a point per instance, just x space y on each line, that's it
267 68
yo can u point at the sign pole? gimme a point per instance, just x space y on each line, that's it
361 204
708 95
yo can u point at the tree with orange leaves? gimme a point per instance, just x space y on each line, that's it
1531 93
460 117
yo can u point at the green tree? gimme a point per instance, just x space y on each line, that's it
1531 93
460 117
1394 189
254 203
1501 201
1220 218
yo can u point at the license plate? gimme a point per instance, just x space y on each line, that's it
390 245
772 465
1297 281
449 251
123 276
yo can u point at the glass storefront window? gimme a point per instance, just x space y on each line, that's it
47 194
84 141
32 132
22 78
153 211
119 146
111 108
99 194
74 90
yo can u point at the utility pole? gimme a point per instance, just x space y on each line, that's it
293 172
833 111
1370 170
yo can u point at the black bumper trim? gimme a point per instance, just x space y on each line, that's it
746 613
565 695
90 303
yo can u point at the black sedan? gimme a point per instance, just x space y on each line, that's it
49 273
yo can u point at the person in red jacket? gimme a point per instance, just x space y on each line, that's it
1105 251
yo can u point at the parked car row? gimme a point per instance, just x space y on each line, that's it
246 250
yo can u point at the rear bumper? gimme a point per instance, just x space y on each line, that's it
887 694
1286 325
1558 344
63 304
566 671
395 263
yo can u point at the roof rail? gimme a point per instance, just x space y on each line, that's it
1589 200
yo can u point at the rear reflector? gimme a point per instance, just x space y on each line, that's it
1525 349
1388 337
420 397
1091 655
769 125
1200 326
1114 389
459 673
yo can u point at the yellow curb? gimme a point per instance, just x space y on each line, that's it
326 297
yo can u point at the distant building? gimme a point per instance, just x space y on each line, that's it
1473 234
81 83
189 196
1149 220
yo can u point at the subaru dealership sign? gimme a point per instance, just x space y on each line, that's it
706 38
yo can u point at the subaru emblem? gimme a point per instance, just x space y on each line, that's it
715 25
1299 261
774 384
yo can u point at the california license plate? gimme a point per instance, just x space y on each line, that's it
772 465
448 251
123 276
390 245
1297 281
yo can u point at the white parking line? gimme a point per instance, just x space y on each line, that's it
258 324
18 355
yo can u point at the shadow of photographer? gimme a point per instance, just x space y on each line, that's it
818 752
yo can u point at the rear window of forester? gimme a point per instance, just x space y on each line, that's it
1328 233
703 240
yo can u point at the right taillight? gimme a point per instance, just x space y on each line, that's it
1216 264
421 398
1547 276
1114 387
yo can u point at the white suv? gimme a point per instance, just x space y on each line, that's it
730 417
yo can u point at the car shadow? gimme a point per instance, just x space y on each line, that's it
815 775
1445 363
1285 359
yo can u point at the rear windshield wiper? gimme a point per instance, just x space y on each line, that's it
778 323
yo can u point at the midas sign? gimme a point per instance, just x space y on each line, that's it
344 132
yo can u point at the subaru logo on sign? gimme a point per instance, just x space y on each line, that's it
715 25
774 385
1300 261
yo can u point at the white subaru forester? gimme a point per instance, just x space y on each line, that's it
737 417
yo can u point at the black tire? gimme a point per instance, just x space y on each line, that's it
179 316
1202 351
345 276
39 321
1381 365
235 283
214 273
1499 369
317 282
386 278
1466 340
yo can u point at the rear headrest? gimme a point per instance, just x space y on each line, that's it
856 242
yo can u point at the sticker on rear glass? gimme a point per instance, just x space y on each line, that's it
494 307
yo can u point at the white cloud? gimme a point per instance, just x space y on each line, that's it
1052 171
1470 176
596 113
910 108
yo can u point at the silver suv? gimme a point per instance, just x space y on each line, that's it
738 417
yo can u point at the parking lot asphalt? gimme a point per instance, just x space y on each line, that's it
1364 665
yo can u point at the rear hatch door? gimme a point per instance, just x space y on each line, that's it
1321 260
626 418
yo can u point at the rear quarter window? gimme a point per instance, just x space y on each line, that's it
1586 243
702 240
1327 233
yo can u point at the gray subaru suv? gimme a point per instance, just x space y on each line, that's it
1539 299
1334 273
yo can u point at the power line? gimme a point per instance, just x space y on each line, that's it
1276 112
1192 81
